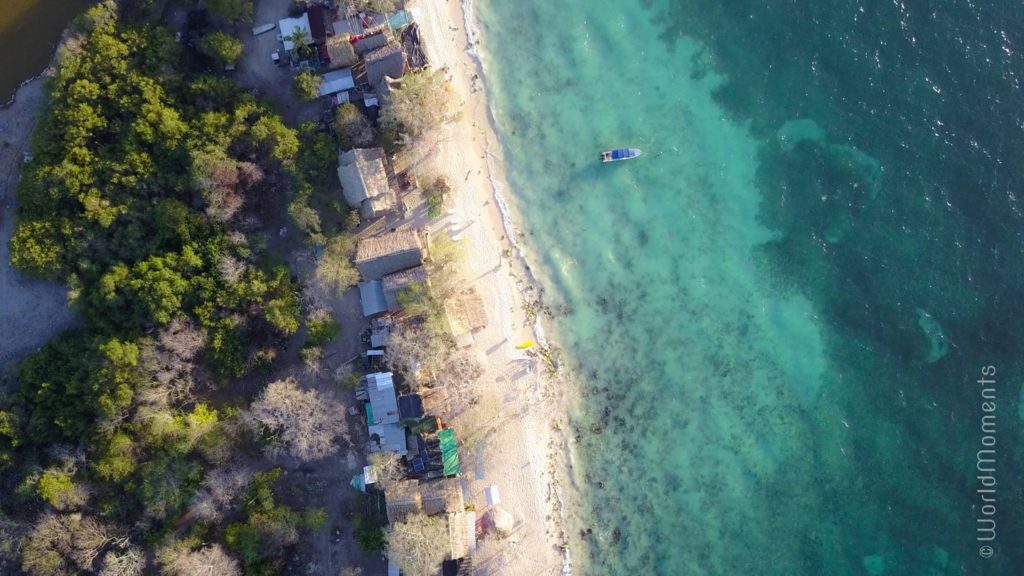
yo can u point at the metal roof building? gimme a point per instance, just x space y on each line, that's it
374 39
388 438
336 81
371 296
410 406
288 28
317 23
383 408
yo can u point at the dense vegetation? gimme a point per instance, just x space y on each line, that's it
146 194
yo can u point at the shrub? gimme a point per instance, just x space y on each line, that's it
322 331
335 268
306 86
223 48
353 128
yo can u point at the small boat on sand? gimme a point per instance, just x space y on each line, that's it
620 154
257 30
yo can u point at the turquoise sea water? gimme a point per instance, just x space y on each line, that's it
777 316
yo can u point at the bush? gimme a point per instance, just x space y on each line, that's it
370 534
231 10
306 86
223 48
36 249
335 268
353 128
55 486
322 331
436 194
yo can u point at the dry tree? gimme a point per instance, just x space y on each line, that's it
413 543
180 560
305 423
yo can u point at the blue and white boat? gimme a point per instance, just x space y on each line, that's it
620 154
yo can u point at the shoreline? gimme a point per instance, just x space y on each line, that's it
33 310
534 433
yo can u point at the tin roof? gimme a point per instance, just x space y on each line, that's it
371 296
383 402
389 438
336 81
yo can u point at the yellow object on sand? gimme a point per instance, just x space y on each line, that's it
524 345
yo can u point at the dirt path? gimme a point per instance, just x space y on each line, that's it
31 312
257 70
326 482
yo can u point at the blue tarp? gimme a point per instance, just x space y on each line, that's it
398 19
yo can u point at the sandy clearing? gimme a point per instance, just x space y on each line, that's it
31 312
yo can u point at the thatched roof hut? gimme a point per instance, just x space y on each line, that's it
379 256
340 51
467 311
364 181
388 60
412 497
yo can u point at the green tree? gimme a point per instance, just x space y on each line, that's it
223 48
37 249
269 528
306 85
59 389
335 268
282 309
10 438
231 10
322 331
55 486
436 193
307 218
116 459
226 349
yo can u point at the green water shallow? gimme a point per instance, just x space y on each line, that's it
776 314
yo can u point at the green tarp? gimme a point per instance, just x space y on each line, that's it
449 451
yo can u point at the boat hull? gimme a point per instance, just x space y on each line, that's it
620 154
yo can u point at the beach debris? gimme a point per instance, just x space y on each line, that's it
502 520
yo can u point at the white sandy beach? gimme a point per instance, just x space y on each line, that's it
509 432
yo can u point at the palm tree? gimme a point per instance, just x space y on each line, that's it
300 41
